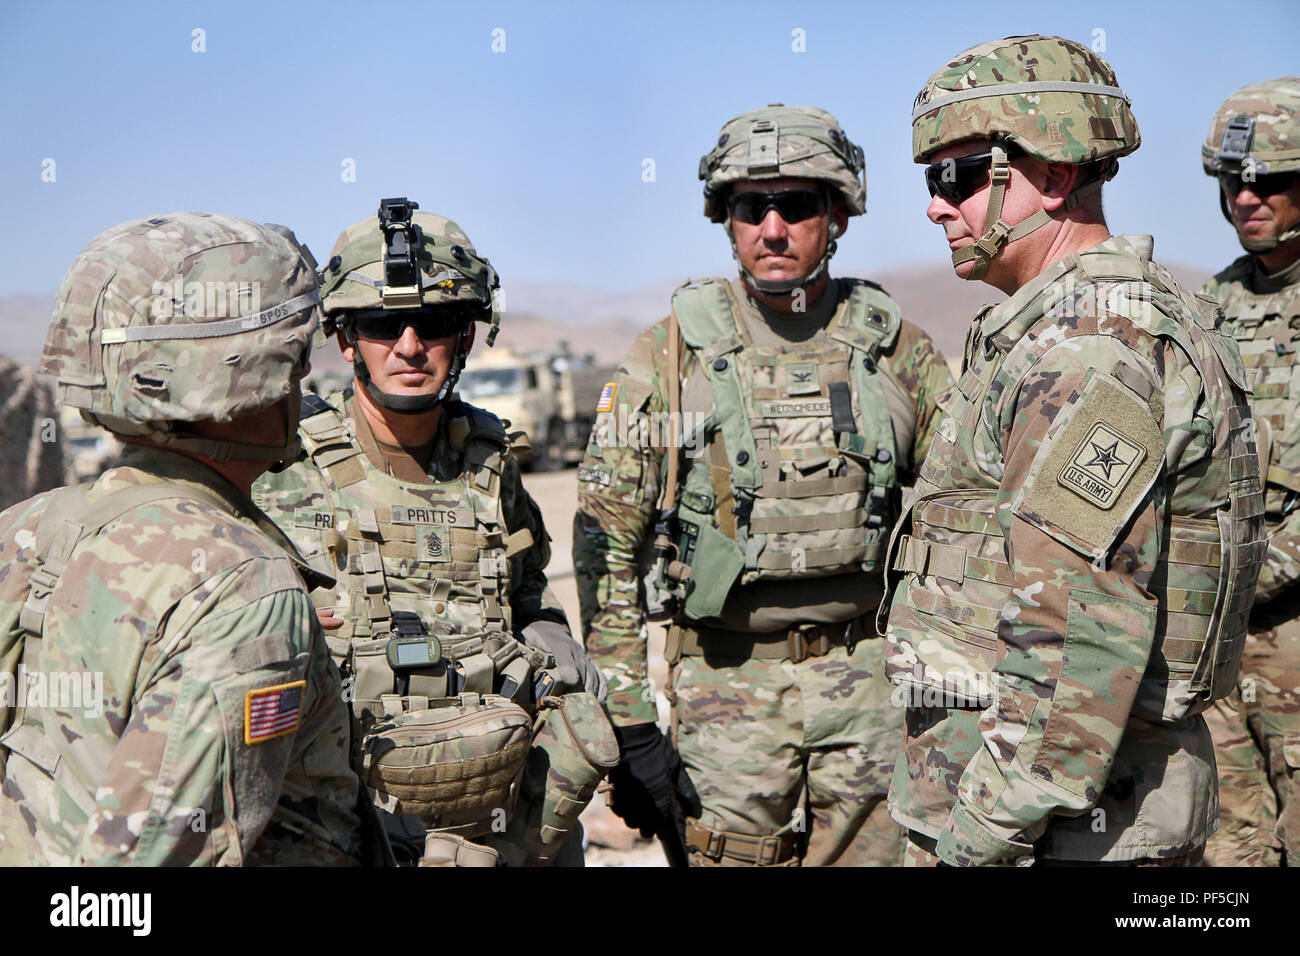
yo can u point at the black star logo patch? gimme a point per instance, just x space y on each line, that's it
1105 457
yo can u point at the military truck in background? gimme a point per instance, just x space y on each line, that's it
550 395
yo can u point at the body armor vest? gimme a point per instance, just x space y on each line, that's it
443 690
418 558
797 474
951 570
1267 329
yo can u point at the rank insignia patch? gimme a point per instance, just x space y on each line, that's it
433 546
272 711
1102 465
606 402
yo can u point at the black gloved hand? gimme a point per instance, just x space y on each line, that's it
645 779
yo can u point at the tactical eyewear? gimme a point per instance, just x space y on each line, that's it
1261 186
432 322
792 205
956 180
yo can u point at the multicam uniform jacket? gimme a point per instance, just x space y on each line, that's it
620 478
214 730
1070 586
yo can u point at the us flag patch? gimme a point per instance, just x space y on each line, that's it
606 402
272 711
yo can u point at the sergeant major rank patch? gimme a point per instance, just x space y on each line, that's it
606 401
1102 465
434 546
272 711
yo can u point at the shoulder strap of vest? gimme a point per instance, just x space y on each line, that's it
486 445
871 321
67 519
328 440
705 317
708 324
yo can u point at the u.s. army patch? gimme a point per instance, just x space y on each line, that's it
1102 465
1105 449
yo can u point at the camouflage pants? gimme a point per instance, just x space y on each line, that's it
775 747
1256 735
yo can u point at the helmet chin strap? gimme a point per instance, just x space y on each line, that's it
998 233
1257 246
408 404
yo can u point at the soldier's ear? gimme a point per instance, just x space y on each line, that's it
839 218
469 337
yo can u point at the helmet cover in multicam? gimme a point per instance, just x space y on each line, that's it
1256 132
776 142
783 141
450 272
1052 98
184 317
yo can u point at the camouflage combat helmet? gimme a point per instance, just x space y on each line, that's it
784 141
185 317
404 259
1051 98
1256 132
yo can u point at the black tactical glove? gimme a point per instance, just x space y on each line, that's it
648 773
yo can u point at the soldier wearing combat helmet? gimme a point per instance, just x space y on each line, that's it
483 734
786 408
211 707
1068 591
1253 149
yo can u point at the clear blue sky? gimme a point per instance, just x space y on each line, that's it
538 151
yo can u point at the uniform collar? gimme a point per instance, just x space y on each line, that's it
1011 319
163 466
1262 283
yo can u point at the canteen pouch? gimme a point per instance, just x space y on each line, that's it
573 749
452 764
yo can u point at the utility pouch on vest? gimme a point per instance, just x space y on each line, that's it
573 749
452 764
715 568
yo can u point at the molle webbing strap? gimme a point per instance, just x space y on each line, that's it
948 561
331 443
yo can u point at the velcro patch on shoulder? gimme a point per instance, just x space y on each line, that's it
271 712
1093 472
606 401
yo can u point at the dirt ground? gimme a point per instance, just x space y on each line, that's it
609 842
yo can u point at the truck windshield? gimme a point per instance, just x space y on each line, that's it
487 382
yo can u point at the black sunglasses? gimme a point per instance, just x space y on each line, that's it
1261 186
956 180
792 205
430 322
